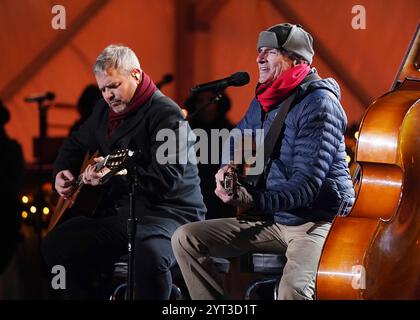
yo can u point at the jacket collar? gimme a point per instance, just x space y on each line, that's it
125 129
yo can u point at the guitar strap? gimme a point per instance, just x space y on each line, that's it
273 134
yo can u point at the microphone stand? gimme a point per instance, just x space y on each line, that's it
39 195
131 230
42 119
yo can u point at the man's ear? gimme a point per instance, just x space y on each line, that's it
136 74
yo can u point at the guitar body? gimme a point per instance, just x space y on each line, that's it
81 193
232 180
85 198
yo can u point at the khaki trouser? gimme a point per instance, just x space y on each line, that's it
194 243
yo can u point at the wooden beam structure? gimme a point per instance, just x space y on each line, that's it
184 48
51 50
191 18
206 11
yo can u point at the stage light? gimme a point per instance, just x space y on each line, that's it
32 209
25 199
46 211
24 214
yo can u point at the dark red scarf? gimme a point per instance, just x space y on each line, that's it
143 92
271 94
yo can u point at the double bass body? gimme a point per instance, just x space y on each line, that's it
374 251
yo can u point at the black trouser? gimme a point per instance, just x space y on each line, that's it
87 247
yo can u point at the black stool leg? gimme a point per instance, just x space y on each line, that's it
258 283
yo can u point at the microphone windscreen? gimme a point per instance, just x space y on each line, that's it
167 78
240 78
50 95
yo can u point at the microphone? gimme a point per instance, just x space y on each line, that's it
167 78
41 97
237 79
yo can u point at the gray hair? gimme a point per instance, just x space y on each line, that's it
119 57
297 59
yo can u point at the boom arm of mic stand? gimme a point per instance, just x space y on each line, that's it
214 99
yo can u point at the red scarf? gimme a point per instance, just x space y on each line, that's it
271 94
143 92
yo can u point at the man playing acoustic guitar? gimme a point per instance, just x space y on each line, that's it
130 115
305 182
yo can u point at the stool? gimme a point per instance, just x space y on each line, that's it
121 271
270 265
221 264
120 275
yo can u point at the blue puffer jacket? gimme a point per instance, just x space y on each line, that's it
309 178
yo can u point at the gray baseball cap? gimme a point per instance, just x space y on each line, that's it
290 37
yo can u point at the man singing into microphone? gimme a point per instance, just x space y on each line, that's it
130 115
304 183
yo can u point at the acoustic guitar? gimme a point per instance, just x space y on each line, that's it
116 162
239 175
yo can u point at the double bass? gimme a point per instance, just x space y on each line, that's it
373 252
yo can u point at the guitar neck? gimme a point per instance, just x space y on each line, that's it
98 166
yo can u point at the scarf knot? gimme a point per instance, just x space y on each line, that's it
271 94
